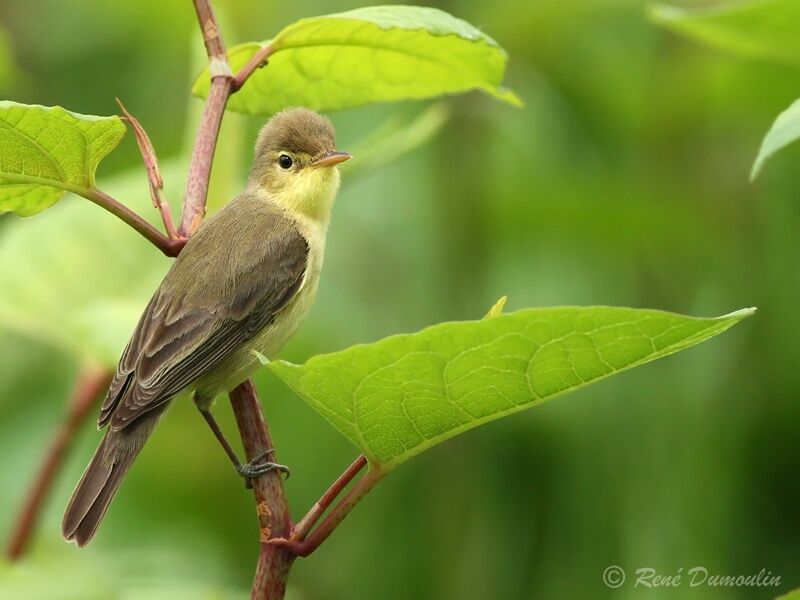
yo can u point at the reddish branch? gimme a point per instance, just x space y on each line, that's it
304 547
91 383
223 84
300 531
272 507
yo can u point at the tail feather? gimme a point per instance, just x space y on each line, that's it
102 479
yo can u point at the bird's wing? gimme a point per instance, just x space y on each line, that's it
233 290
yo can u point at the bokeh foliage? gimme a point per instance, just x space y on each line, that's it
624 181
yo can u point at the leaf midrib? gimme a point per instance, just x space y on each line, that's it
32 179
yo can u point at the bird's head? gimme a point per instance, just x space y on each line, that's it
295 162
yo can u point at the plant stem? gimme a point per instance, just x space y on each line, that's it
159 240
334 518
300 531
194 202
258 60
92 381
153 172
274 563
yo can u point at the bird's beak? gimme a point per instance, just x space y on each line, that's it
330 158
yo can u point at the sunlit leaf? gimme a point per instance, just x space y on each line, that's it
497 308
373 54
406 393
759 28
47 151
784 131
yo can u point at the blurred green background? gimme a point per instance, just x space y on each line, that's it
623 181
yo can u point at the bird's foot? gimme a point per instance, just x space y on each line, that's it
258 467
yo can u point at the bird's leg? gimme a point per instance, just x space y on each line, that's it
249 470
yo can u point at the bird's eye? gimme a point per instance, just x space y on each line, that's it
285 161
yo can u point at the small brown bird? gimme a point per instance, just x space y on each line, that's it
240 287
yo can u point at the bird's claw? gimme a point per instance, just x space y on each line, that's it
257 468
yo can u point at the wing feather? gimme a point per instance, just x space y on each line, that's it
222 290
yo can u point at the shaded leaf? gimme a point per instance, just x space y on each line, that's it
46 151
406 393
758 29
784 131
373 54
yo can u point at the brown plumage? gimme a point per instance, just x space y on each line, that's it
243 282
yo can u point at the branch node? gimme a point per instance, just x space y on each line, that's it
219 67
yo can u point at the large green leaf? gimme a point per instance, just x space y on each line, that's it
401 395
373 54
784 131
760 28
46 151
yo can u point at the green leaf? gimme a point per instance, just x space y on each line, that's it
373 54
497 308
784 131
401 395
46 151
793 595
759 29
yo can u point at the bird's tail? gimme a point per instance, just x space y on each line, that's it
102 478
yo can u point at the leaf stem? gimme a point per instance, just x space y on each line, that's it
258 60
92 381
153 172
170 247
334 518
300 531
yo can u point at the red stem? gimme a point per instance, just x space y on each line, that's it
300 531
258 60
158 239
334 518
274 563
153 172
91 383
194 202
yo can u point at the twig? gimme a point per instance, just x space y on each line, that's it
92 381
258 60
336 516
274 563
300 531
223 84
194 202
153 172
158 239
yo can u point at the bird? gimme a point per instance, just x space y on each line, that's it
236 293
